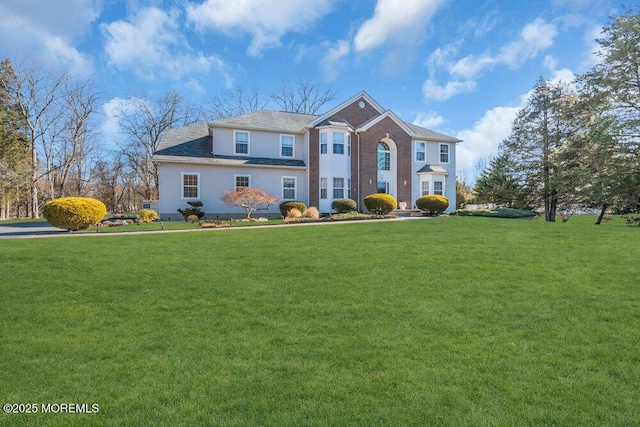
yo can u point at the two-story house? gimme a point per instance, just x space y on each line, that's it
356 149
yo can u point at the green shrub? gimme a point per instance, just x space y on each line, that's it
380 203
74 213
344 205
193 210
285 207
148 215
432 203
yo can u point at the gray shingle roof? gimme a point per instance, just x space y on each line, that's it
192 144
433 168
431 135
275 121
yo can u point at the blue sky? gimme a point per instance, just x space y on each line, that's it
461 67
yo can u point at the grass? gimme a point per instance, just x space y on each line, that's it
447 321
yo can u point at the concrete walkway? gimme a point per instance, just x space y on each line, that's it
44 229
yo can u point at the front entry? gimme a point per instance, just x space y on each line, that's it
383 187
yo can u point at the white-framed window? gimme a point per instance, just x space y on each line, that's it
384 157
348 188
287 145
190 185
289 187
241 181
338 188
421 151
323 188
323 142
348 144
444 153
240 142
424 188
338 143
438 188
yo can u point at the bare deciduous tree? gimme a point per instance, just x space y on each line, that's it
302 96
144 121
234 103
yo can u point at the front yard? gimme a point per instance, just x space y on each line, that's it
454 321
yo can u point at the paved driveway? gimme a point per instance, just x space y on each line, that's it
28 229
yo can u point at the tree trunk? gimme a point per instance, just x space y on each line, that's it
35 209
604 208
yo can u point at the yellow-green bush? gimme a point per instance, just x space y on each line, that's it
74 213
148 215
432 203
380 203
344 205
285 207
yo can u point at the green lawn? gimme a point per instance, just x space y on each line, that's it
444 321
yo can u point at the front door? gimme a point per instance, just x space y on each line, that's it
383 187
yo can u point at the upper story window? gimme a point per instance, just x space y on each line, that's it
242 181
323 143
286 145
421 151
338 143
444 153
384 157
241 142
348 144
190 185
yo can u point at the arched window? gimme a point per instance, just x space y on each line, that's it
384 157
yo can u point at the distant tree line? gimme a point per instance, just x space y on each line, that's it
571 148
50 144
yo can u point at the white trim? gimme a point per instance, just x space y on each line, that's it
293 146
182 174
326 142
295 187
345 104
393 117
325 188
424 143
248 142
240 175
440 153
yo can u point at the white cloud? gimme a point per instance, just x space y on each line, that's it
150 43
46 30
266 24
434 92
483 139
334 59
429 120
401 21
534 38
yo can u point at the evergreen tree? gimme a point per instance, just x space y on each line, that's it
537 133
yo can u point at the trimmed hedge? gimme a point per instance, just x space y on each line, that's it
497 213
74 213
432 203
148 215
344 205
285 207
380 203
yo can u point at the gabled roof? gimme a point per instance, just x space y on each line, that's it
344 104
192 144
365 127
431 135
193 140
267 120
